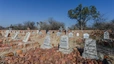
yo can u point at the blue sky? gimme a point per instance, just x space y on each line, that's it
19 11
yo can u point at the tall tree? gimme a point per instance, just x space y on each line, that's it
83 14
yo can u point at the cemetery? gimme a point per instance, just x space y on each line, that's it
56 32
23 47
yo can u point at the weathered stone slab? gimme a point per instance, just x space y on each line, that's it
90 51
46 44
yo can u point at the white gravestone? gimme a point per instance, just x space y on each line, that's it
106 35
61 28
7 32
90 51
15 35
64 45
58 33
64 42
37 31
26 37
48 33
85 35
46 44
40 33
33 32
77 34
70 34
38 26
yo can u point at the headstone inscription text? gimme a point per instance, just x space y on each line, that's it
90 51
46 44
64 42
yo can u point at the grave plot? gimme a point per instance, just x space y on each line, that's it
34 50
44 56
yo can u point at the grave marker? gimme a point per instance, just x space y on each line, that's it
77 34
6 33
15 35
106 35
46 44
26 37
90 51
58 33
86 35
38 26
64 45
70 34
61 28
37 31
64 42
